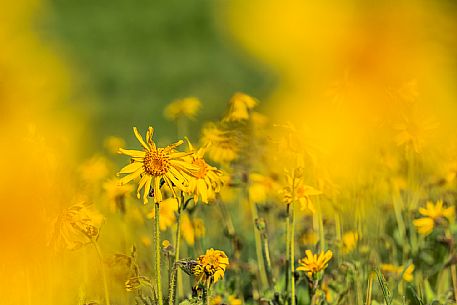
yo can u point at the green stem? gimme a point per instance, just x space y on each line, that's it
172 284
102 268
258 246
287 249
157 253
292 255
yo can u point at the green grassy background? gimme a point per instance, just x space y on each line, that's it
131 58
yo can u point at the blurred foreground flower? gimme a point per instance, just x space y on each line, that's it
313 264
183 108
76 226
156 165
392 270
434 214
222 147
240 106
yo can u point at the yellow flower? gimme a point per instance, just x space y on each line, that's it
114 190
350 240
433 215
156 165
167 211
392 270
186 107
211 266
309 238
112 144
240 106
221 146
313 264
260 187
231 300
207 180
412 132
302 193
192 229
94 169
76 226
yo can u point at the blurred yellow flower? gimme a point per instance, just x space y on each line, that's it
75 227
168 209
155 165
211 266
433 214
115 191
231 300
350 240
186 107
113 143
300 192
95 169
221 147
240 106
309 238
192 229
261 187
313 264
392 270
207 180
412 133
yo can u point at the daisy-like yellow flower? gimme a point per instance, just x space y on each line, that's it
240 106
392 270
187 107
207 180
302 192
314 264
76 226
156 165
211 266
433 214
222 148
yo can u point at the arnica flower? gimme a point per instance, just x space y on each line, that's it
314 264
302 194
222 147
183 108
117 193
350 240
207 180
210 267
434 214
156 165
240 106
396 271
167 211
95 169
76 226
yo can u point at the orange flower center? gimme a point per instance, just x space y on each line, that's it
156 163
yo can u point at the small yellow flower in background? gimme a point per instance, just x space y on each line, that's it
302 193
114 191
240 106
221 146
75 227
350 240
314 264
260 187
95 169
309 238
392 270
207 180
183 108
156 165
192 229
168 209
231 300
433 214
113 143
211 266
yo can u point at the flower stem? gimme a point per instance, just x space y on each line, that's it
287 249
157 253
172 284
102 268
292 255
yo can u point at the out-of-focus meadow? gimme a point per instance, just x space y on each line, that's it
316 161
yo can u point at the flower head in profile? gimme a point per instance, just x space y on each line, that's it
297 191
314 264
240 106
76 226
156 166
222 147
393 270
207 180
210 267
183 108
433 214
